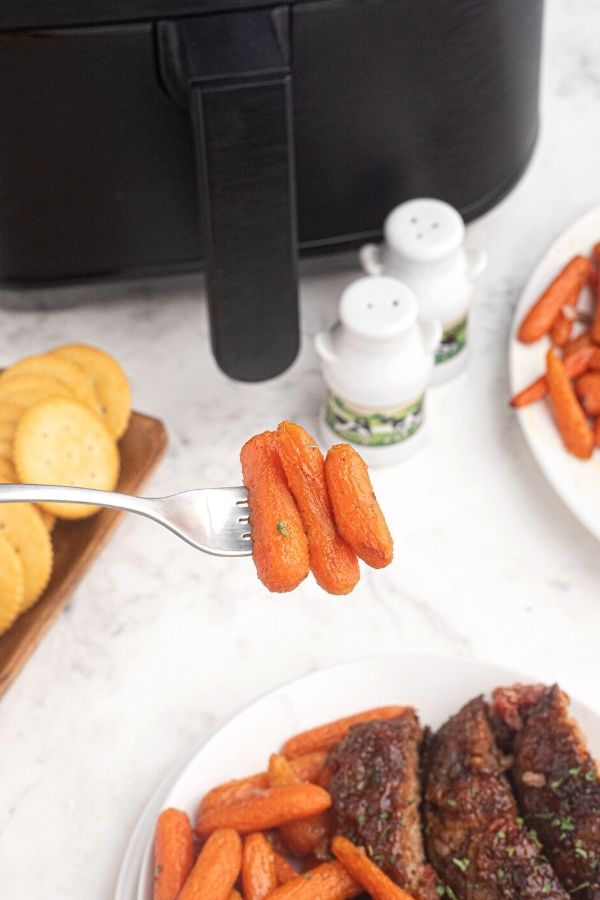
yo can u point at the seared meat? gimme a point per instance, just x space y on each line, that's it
474 836
556 781
376 794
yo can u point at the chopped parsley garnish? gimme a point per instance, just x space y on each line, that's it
282 528
462 864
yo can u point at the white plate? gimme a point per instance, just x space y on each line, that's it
435 685
577 482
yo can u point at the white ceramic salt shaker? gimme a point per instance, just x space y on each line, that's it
377 362
424 249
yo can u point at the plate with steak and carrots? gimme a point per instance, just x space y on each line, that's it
368 780
554 363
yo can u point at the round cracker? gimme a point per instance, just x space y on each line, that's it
47 518
25 384
10 412
76 379
12 584
110 382
61 441
7 429
21 525
8 473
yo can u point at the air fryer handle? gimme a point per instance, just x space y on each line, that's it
239 95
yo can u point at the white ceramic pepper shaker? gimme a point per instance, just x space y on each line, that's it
377 362
424 248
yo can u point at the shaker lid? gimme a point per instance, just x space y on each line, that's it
378 307
424 230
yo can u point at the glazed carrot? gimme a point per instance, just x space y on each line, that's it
332 562
595 327
575 364
235 895
307 768
216 869
285 871
324 737
562 326
173 853
231 791
570 418
306 835
269 809
259 875
356 512
587 389
366 873
329 881
542 314
582 340
597 432
279 545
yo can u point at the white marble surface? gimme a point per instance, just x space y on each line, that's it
161 643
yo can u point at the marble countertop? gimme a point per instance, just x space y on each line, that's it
160 643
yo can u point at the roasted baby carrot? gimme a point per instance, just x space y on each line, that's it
304 836
324 737
356 511
216 869
269 809
332 561
173 853
587 388
582 340
235 895
571 421
370 877
279 544
307 768
597 432
562 326
595 327
575 365
329 881
542 314
259 875
285 871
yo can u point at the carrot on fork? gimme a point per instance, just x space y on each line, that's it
329 881
571 421
356 511
268 809
332 561
324 737
173 853
216 869
575 365
544 311
259 874
375 882
279 544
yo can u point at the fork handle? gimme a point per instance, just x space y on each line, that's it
53 493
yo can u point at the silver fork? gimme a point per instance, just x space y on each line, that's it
214 520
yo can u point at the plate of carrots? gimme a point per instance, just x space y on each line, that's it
554 365
249 815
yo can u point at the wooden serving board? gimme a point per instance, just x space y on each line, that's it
78 543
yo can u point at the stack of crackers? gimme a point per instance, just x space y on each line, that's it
61 415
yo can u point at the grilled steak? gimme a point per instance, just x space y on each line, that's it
475 839
556 781
376 793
